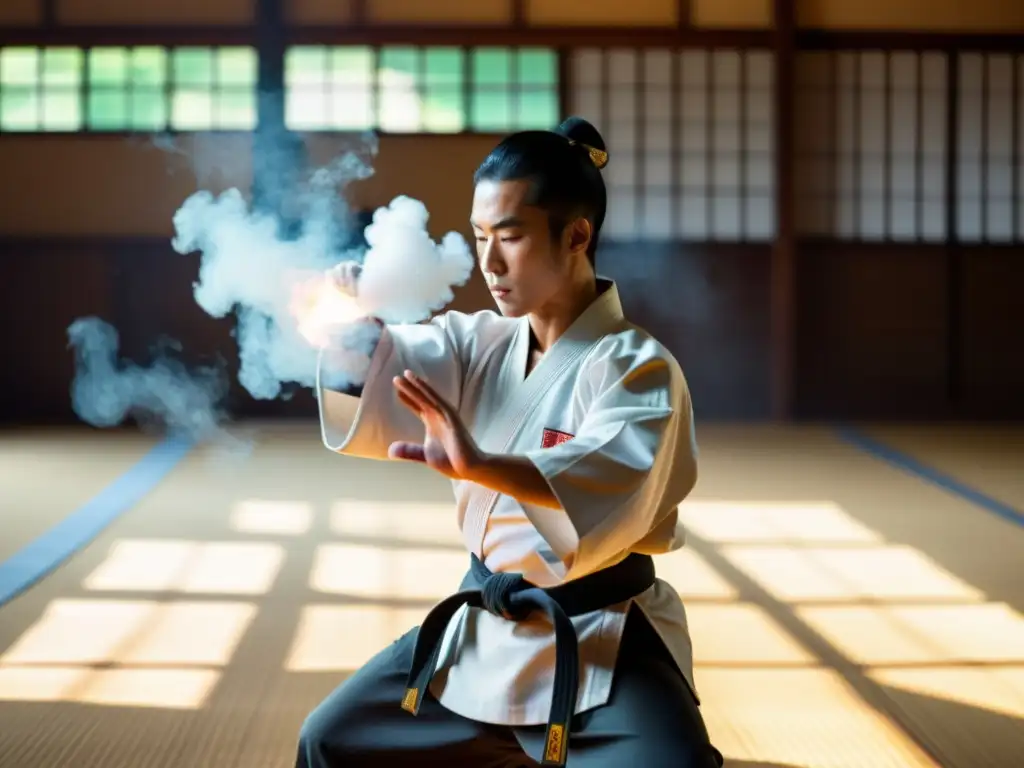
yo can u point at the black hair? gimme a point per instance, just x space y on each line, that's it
564 169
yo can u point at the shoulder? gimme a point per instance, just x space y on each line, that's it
633 358
632 347
476 331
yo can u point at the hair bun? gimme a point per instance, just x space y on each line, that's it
580 131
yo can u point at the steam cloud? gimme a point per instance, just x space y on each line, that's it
105 391
268 281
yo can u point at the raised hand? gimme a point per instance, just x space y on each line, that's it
447 446
345 277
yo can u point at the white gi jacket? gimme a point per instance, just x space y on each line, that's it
606 417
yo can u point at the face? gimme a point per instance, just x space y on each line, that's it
526 268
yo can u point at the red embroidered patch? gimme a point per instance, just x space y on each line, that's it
553 437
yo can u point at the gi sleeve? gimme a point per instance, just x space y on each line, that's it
364 422
631 463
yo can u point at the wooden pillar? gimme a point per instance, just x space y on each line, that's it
783 266
954 251
684 14
278 154
49 9
519 20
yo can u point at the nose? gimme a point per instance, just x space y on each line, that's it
491 261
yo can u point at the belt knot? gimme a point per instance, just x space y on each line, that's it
497 595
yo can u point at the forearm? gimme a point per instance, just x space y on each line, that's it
514 476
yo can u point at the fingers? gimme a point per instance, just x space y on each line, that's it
407 452
345 277
412 396
407 401
425 393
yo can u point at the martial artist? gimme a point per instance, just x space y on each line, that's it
567 433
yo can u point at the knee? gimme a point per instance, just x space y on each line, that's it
319 735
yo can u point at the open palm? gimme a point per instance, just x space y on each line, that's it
447 446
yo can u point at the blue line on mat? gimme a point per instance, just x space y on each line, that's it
913 466
35 560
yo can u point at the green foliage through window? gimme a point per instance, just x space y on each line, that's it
407 89
127 89
397 89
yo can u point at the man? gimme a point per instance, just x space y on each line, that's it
567 433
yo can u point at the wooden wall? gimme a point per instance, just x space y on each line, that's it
907 321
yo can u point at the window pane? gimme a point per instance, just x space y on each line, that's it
351 108
492 110
399 89
236 66
192 109
443 110
537 67
62 66
19 66
399 110
19 109
305 109
444 66
193 67
149 66
538 109
399 66
353 65
62 110
108 109
148 109
108 66
236 109
492 66
305 65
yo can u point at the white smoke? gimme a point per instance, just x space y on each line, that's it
406 275
107 391
249 269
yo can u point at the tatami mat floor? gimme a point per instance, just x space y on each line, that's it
845 612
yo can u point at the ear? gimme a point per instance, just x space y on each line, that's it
578 233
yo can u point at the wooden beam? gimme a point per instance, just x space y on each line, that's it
783 267
550 35
891 40
393 34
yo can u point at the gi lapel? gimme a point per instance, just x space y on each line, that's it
599 319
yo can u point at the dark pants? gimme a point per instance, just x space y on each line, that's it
650 721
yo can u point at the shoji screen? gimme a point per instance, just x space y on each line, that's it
874 150
690 138
871 146
990 148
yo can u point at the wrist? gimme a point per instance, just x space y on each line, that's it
480 467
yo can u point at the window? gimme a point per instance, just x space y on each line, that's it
40 90
406 89
213 88
127 89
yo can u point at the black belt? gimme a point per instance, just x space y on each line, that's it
509 595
